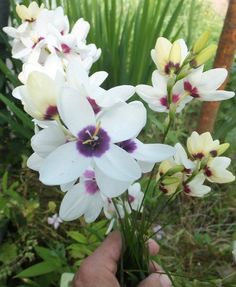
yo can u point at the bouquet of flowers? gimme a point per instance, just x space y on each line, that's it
87 138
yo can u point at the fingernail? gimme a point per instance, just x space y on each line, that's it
165 280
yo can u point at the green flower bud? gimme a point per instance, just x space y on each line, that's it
175 169
52 206
204 56
170 180
201 42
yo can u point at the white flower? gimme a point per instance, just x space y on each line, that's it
39 95
216 170
73 45
78 78
93 143
52 66
30 13
84 198
157 95
44 142
180 157
169 57
200 146
135 198
203 85
55 220
196 187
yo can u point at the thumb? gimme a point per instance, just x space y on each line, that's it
108 253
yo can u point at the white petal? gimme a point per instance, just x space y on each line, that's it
146 166
182 158
152 152
63 165
34 162
159 82
184 49
216 96
76 74
98 78
47 140
212 79
17 92
94 207
65 187
74 203
75 110
117 94
118 164
108 186
124 121
150 94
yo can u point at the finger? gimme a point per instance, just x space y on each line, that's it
108 253
152 280
156 280
154 267
153 247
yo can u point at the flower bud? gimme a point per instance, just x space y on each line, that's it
170 180
52 206
222 148
201 42
175 169
204 56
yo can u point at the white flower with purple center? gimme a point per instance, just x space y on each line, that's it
169 57
156 96
99 98
84 198
93 143
203 85
196 187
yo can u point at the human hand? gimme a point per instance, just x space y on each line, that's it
99 269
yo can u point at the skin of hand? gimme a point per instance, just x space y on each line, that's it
99 269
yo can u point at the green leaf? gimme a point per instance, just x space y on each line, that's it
38 269
48 255
79 237
8 252
66 279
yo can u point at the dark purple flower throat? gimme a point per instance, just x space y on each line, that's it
93 141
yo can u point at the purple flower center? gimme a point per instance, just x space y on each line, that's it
207 171
131 198
128 145
187 189
94 105
193 92
90 182
50 113
65 48
171 67
213 153
93 141
164 102
198 155
175 98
